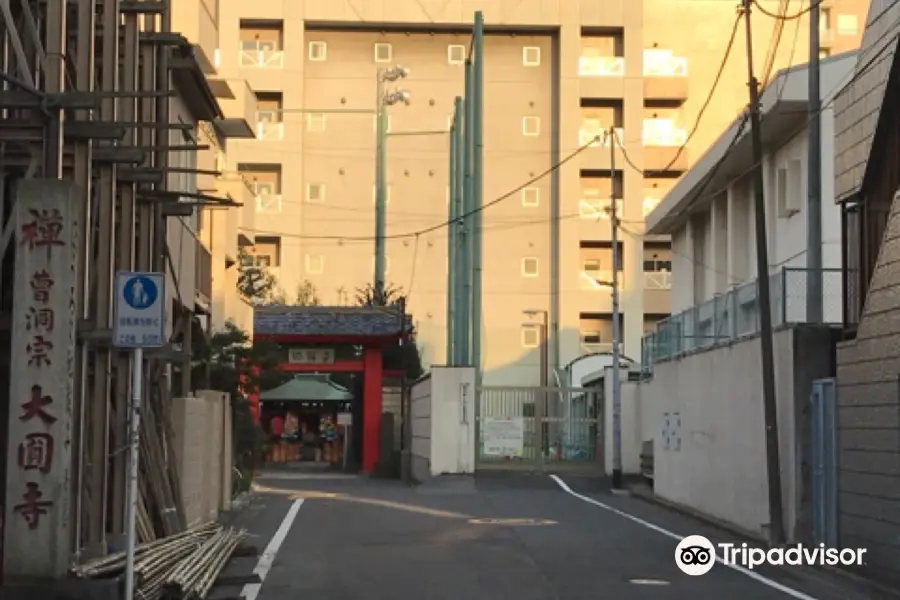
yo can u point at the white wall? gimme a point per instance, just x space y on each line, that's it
442 407
705 265
709 454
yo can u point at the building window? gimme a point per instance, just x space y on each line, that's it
315 122
531 126
789 188
267 251
591 338
529 266
315 263
456 54
383 53
318 51
531 56
315 193
531 337
531 196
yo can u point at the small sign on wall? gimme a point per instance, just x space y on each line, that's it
311 356
503 436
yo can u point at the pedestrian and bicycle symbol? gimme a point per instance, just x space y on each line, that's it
140 292
139 310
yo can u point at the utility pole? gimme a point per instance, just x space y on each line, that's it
461 316
477 103
453 216
468 216
616 344
773 462
814 287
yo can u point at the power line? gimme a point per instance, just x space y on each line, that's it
835 93
786 17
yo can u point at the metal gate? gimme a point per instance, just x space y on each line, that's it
534 428
824 460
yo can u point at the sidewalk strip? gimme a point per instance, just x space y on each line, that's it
751 574
251 590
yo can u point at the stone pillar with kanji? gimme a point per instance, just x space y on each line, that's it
38 506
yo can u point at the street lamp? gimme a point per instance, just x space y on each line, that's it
382 101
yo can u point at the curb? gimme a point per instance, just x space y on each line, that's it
649 497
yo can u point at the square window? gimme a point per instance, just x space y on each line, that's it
591 338
315 122
383 53
531 56
318 51
529 266
530 336
531 126
315 192
531 196
315 263
456 54
387 194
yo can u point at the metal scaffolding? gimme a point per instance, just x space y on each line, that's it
85 97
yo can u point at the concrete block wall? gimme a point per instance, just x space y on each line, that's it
203 447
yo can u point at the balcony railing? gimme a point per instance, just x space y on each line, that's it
268 203
261 58
649 204
598 208
663 63
735 314
589 348
589 134
657 280
203 273
663 132
597 279
269 131
601 66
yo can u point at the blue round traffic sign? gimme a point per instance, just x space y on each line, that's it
140 292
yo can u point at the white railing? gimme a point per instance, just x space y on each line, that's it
657 280
268 203
596 348
264 59
662 132
596 279
663 63
649 204
269 131
598 208
597 135
601 66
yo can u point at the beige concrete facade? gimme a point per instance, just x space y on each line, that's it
556 73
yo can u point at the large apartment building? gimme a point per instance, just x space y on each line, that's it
556 75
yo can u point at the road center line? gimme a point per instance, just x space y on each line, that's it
751 574
251 590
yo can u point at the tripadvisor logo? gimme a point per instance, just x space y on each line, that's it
696 555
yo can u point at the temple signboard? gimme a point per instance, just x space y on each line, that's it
37 515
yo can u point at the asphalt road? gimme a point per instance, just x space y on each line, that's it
343 538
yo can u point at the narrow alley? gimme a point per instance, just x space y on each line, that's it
528 537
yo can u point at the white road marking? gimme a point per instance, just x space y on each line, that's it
751 574
251 590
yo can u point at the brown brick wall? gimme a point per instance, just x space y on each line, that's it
868 378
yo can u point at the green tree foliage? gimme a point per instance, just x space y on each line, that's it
255 283
404 357
226 364
307 295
